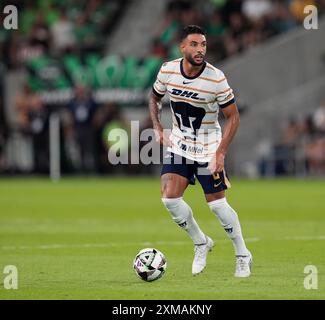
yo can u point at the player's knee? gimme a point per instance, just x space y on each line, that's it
178 210
168 192
172 204
216 205
170 188
218 208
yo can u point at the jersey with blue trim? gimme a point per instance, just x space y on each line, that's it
194 103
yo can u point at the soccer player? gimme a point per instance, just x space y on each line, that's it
196 146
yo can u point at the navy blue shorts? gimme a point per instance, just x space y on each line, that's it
190 169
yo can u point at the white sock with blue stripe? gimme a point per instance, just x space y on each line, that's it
182 214
230 222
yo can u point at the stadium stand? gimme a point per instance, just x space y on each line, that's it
114 48
3 126
62 47
301 147
287 82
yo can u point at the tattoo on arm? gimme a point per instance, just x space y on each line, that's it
155 111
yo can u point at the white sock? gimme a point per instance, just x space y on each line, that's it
229 220
182 214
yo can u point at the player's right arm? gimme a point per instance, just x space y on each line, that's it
155 106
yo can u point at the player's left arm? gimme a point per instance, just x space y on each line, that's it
231 114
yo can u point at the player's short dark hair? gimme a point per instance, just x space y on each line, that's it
191 29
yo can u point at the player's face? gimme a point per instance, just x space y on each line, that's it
193 48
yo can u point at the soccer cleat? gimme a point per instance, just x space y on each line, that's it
244 266
200 256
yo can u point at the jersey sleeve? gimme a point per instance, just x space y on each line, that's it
159 88
224 94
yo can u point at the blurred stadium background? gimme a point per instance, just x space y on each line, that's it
76 69
93 63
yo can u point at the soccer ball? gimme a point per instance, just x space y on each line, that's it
149 264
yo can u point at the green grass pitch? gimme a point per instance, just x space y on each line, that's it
76 239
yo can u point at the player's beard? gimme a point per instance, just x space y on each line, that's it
192 61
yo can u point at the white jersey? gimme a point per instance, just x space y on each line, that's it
194 102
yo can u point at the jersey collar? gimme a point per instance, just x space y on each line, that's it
193 77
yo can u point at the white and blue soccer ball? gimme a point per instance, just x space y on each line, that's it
149 264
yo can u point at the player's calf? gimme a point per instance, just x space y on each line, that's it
183 216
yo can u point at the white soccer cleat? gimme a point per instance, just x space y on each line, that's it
244 266
200 256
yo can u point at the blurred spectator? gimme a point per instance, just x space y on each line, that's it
189 15
302 146
33 121
63 34
158 49
233 6
25 101
237 25
215 25
315 147
27 17
231 45
86 35
3 127
27 49
256 9
40 33
315 156
49 9
4 37
169 24
218 3
291 133
319 118
100 13
39 127
82 109
279 20
215 30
